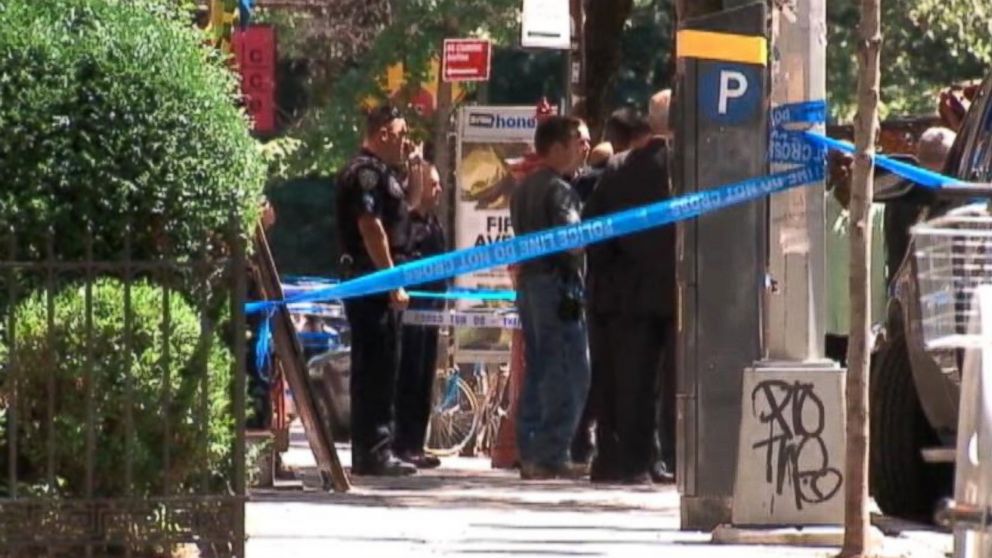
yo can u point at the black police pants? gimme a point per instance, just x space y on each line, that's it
375 352
630 349
418 367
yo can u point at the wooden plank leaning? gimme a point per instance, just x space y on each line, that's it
290 355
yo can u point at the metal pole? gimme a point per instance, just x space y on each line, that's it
794 304
238 296
794 326
718 324
574 67
439 136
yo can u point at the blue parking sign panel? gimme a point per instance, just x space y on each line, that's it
730 94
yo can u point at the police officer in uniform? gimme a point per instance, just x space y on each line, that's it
418 364
374 227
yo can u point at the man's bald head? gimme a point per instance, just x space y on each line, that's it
933 147
658 109
600 154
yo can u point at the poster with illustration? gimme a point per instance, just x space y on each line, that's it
494 154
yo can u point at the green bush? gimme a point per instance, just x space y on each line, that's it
198 450
115 113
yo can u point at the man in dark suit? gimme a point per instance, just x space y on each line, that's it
631 285
625 126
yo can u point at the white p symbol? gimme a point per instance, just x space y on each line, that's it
728 91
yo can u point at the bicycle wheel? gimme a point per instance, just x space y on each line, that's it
495 409
454 415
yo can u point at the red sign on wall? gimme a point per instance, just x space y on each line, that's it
466 60
255 55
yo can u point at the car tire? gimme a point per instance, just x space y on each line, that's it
902 483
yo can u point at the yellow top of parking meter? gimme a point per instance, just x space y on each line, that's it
744 49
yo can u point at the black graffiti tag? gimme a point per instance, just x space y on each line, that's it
794 449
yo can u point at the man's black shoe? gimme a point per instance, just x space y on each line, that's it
601 472
582 448
638 479
661 474
389 467
419 460
570 471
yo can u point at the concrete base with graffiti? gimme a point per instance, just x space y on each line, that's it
791 448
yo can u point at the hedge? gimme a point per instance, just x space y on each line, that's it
116 114
198 450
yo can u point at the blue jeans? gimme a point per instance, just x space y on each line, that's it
556 381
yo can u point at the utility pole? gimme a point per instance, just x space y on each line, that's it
794 294
729 362
439 137
574 77
797 259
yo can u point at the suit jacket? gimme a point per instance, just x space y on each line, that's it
633 274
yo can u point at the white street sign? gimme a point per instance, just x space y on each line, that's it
546 24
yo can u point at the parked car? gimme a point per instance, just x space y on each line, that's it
915 391
325 337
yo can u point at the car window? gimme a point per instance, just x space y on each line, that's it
976 159
981 166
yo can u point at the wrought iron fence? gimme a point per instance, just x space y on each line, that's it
122 401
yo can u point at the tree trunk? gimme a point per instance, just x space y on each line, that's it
442 157
856 520
603 28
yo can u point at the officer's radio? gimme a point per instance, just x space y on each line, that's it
570 307
346 267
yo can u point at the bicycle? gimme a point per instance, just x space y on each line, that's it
455 414
468 411
495 406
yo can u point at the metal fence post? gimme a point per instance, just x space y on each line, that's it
238 269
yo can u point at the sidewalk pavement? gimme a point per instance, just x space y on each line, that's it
466 509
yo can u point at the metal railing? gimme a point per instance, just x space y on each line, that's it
970 512
953 257
122 401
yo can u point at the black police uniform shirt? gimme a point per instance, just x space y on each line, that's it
426 240
542 201
368 187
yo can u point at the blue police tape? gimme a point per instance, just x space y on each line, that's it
786 147
291 287
804 146
810 112
912 173
322 309
467 294
437 318
262 346
791 148
558 239
297 279
326 341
